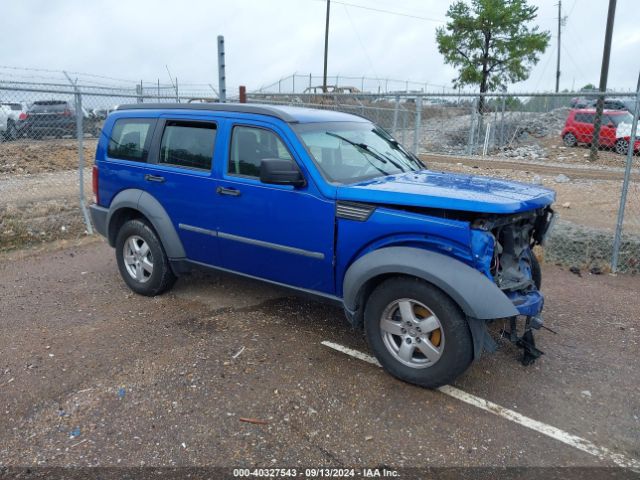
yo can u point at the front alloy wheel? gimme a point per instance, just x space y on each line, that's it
417 332
412 333
570 140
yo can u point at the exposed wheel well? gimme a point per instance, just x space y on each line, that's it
119 218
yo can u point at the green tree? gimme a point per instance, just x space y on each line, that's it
491 43
589 87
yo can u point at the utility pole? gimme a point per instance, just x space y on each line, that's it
604 73
559 39
326 48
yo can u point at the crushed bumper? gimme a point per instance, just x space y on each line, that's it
529 304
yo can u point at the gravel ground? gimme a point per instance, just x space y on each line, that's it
93 375
40 156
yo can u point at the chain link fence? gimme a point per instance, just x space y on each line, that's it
49 133
538 138
48 137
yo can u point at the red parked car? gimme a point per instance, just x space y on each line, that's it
615 130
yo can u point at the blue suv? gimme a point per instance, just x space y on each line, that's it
327 204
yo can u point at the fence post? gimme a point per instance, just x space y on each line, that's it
504 105
416 136
80 137
139 92
487 134
472 128
625 183
395 115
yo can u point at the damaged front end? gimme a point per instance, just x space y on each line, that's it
515 270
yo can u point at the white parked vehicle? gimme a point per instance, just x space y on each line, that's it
4 120
15 112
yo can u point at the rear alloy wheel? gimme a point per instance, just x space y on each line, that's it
142 261
570 140
622 146
417 333
138 259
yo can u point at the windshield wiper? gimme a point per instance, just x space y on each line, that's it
378 152
361 146
411 155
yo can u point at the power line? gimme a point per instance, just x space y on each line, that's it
575 64
389 12
353 25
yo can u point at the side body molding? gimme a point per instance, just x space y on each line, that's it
155 212
476 295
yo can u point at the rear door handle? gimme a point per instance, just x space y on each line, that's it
153 178
228 191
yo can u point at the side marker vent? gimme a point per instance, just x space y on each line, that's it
354 211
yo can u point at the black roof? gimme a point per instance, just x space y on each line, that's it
271 110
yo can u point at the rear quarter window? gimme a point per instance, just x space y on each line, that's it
50 107
130 139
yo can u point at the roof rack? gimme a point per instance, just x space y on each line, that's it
270 110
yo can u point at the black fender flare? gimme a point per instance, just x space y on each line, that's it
151 208
475 294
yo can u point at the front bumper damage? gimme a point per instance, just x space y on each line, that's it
516 272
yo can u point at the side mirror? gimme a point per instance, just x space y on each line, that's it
280 171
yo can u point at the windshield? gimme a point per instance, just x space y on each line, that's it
618 119
348 152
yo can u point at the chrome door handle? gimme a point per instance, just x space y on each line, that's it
153 178
228 191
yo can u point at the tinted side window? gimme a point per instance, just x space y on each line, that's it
249 145
188 144
130 139
585 118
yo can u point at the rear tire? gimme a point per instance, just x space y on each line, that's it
622 146
142 261
406 314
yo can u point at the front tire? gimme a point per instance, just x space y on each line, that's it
536 271
417 333
143 263
570 140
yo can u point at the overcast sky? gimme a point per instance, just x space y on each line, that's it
269 39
